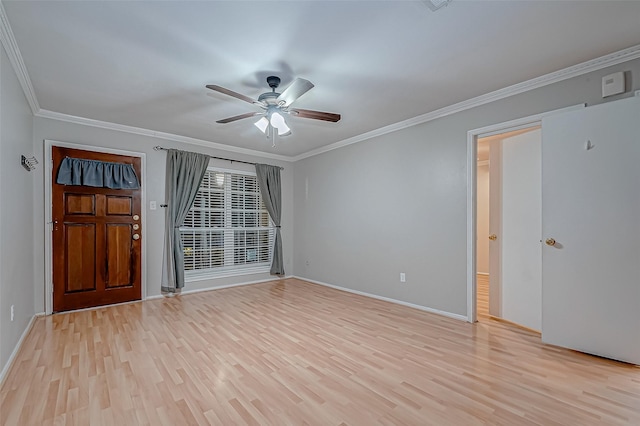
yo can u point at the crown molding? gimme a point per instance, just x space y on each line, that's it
535 83
15 57
43 113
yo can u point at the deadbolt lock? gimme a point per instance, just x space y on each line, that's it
550 242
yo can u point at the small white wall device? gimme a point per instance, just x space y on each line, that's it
613 84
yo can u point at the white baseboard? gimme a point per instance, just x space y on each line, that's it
157 296
12 357
200 290
388 299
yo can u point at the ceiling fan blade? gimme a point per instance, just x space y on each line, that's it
316 115
299 87
238 117
231 93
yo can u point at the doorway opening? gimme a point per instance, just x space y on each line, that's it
483 229
472 165
508 252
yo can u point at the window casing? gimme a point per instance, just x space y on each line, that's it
228 230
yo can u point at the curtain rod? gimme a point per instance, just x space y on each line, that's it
159 148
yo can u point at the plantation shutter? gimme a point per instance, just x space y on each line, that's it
228 229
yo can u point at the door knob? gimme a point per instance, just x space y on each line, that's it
550 242
493 237
136 236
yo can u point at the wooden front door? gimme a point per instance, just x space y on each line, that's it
96 239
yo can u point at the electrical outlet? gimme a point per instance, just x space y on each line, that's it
11 313
403 277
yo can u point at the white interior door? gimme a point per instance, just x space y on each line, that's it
495 228
515 259
591 208
521 279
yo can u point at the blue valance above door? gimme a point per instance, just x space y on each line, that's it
101 174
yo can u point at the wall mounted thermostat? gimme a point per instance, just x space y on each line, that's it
613 84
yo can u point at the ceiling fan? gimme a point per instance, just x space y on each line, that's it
274 105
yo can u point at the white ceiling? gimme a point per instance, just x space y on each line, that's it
146 64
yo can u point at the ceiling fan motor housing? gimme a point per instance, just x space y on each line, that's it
273 81
269 98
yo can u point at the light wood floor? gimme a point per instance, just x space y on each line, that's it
482 296
291 352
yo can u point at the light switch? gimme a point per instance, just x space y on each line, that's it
152 205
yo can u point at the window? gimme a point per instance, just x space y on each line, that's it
228 230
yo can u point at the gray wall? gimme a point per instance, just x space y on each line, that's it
16 205
397 203
155 172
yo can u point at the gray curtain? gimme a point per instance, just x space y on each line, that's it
101 174
185 171
270 188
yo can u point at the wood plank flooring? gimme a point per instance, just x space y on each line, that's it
293 353
482 296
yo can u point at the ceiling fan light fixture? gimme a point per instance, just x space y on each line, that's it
262 124
277 121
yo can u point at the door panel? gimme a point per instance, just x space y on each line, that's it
119 238
80 254
119 206
96 259
80 204
591 208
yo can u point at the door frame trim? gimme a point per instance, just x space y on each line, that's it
48 207
472 170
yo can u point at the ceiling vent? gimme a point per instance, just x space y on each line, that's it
436 4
